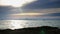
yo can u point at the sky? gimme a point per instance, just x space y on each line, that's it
37 9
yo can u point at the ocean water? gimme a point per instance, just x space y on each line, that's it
17 24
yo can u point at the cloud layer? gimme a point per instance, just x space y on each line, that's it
43 4
11 13
47 9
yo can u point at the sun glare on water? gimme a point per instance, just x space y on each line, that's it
15 3
16 24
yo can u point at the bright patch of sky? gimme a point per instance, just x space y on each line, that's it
15 3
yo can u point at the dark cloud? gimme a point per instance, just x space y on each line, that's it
5 11
39 4
8 10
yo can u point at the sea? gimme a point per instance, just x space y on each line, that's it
17 24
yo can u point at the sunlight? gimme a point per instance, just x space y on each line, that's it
17 24
30 14
15 3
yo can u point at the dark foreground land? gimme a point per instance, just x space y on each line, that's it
34 30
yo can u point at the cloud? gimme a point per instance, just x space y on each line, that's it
8 10
32 17
6 13
39 4
52 14
49 10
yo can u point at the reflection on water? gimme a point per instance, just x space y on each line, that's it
12 24
16 24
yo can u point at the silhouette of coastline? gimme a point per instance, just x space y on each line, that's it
32 30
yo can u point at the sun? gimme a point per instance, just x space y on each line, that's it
15 3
